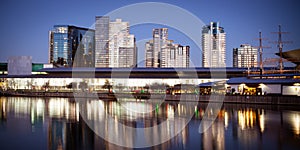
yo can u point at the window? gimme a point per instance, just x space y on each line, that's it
180 51
172 55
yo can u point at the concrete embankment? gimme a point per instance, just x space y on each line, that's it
240 99
235 99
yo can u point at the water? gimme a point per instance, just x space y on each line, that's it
62 123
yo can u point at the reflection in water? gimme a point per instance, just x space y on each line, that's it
62 108
226 119
112 119
295 119
262 121
57 124
246 118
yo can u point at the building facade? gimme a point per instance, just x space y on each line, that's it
245 56
175 56
163 53
71 46
160 39
112 39
213 46
19 65
149 54
101 41
121 45
127 57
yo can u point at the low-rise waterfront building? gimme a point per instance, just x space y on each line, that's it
269 84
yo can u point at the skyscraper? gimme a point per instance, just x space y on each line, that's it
245 56
71 46
163 53
101 41
213 45
121 41
149 54
160 37
114 44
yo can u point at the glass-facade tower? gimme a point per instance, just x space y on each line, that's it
71 46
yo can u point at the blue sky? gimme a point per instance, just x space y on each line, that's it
25 24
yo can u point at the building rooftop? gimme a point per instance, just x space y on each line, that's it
245 80
292 56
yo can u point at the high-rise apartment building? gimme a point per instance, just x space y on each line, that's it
213 46
114 44
175 56
160 38
127 57
71 46
121 41
245 56
163 53
149 54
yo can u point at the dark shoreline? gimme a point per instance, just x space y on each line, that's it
233 99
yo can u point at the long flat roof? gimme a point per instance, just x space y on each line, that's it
164 73
143 69
245 80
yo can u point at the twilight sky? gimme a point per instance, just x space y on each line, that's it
25 23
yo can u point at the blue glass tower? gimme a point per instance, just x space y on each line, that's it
71 46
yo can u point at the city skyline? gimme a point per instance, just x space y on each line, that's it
115 46
161 52
240 27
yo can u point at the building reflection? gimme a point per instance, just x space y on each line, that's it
62 126
295 122
111 118
214 136
246 118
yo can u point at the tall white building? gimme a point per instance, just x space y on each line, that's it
175 56
121 41
213 46
149 54
245 56
160 39
113 38
162 53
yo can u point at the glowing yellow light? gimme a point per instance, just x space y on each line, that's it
296 84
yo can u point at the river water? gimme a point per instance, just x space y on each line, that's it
63 123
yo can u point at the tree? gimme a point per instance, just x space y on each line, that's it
83 85
107 86
71 85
